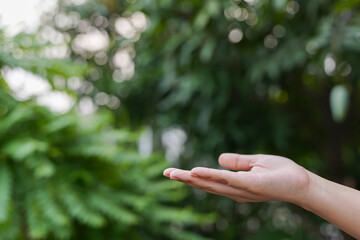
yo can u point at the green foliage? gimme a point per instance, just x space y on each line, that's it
71 171
272 87
25 51
269 89
5 191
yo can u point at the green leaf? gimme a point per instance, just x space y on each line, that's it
78 208
23 148
5 192
113 209
37 226
51 209
19 114
207 50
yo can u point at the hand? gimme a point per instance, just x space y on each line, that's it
257 178
260 178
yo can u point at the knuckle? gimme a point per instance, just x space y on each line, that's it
223 177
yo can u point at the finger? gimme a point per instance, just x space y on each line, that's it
185 177
206 189
222 176
231 196
237 162
209 185
167 171
239 180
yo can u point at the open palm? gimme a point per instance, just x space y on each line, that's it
254 178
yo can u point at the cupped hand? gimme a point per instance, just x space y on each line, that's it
255 178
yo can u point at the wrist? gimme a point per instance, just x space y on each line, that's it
312 193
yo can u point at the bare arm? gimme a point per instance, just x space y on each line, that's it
336 203
257 178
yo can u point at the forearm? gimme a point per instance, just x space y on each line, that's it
336 203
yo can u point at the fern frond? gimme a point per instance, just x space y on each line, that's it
139 203
62 232
184 215
38 227
112 209
78 209
50 209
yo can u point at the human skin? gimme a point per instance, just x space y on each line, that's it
259 178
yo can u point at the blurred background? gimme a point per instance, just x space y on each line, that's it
98 97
